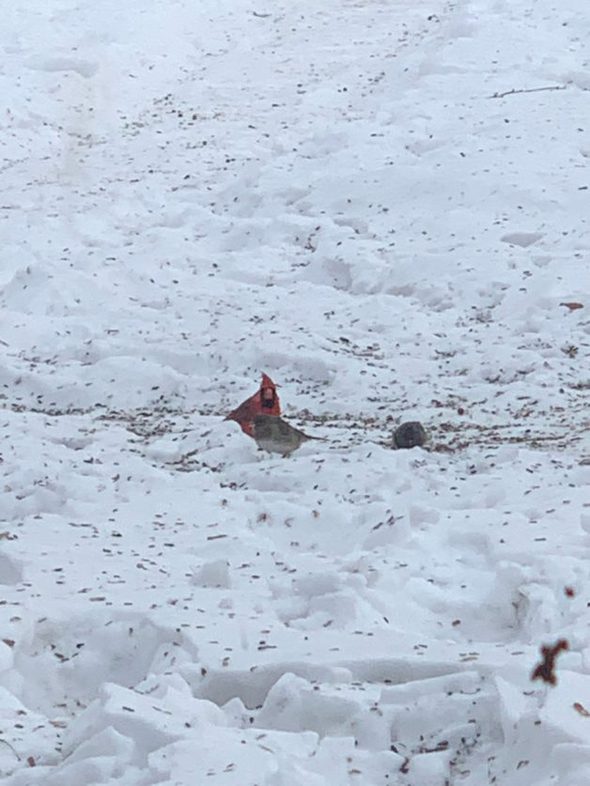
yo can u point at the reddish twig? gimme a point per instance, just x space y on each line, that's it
546 669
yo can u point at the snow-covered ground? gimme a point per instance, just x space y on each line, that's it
384 205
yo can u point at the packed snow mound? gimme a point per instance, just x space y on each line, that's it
384 206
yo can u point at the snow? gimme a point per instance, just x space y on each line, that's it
384 206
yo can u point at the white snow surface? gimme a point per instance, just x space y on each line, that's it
383 204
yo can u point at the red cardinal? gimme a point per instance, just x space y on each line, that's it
264 402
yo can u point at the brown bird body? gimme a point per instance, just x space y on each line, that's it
275 435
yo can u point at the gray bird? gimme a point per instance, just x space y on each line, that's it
410 434
275 435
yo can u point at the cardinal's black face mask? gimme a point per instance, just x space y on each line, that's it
267 398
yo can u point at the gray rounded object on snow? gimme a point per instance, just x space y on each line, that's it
409 435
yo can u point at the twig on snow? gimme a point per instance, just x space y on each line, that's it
546 669
515 90
11 748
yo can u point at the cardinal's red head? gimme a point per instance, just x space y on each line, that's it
269 398
264 402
